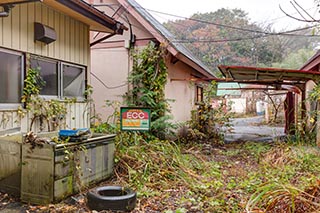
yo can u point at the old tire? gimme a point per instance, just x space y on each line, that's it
114 198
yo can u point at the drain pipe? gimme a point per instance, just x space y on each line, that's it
6 10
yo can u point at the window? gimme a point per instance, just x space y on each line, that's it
11 69
61 79
199 94
73 81
48 71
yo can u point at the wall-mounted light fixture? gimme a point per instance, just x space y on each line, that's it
44 33
7 5
6 10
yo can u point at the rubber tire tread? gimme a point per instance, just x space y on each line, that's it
98 202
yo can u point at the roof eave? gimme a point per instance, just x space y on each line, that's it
161 38
194 65
84 12
311 62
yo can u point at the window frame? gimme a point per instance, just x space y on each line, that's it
9 106
199 94
84 71
48 97
59 71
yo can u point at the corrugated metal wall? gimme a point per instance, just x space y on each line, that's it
17 32
72 45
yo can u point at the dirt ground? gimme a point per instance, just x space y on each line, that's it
233 165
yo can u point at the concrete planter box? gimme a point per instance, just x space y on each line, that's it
50 173
10 163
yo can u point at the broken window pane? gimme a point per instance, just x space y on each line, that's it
73 81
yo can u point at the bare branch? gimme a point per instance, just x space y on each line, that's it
304 10
297 10
298 19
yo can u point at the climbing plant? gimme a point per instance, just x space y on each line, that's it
208 124
148 79
45 111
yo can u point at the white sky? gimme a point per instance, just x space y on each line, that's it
260 11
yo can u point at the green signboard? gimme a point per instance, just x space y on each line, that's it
135 118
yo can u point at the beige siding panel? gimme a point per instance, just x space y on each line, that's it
81 42
77 42
16 121
73 116
7 32
57 44
44 20
60 26
83 115
77 114
17 32
66 48
38 18
15 16
31 18
51 23
24 27
72 45
72 40
9 119
77 117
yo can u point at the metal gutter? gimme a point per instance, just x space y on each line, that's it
92 13
13 2
102 39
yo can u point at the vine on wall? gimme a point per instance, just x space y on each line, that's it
47 112
208 123
148 79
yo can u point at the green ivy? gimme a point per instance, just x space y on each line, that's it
148 79
208 124
49 111
32 84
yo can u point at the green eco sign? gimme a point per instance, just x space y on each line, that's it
135 118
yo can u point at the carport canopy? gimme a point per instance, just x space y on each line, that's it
267 76
279 78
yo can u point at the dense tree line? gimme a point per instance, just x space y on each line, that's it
229 37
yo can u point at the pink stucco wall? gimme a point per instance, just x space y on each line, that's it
181 90
111 63
111 66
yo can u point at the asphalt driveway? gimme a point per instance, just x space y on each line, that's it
253 129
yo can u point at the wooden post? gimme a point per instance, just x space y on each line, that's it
289 107
318 126
303 109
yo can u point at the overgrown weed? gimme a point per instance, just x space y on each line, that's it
173 176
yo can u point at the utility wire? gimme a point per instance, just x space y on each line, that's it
228 26
106 86
287 33
262 34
